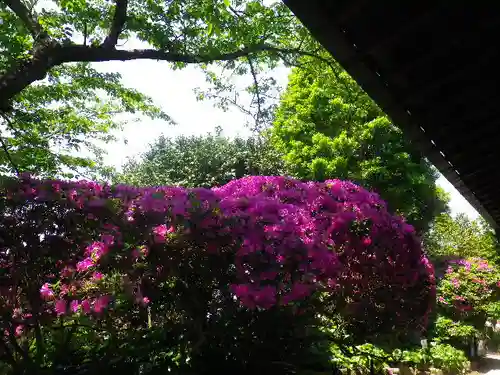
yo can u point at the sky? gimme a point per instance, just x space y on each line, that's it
173 91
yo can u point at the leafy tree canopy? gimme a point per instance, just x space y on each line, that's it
204 161
461 237
52 101
327 127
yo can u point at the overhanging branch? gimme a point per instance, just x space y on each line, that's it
25 73
119 19
25 15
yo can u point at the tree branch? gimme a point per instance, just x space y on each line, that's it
53 54
6 148
9 157
25 15
119 19
257 92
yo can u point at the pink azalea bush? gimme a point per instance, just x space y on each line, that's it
470 291
70 250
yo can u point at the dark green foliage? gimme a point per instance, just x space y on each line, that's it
203 161
460 237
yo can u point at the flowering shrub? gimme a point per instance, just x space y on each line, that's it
122 258
469 291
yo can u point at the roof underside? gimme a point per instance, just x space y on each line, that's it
433 66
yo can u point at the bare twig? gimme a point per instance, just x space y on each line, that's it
119 19
257 91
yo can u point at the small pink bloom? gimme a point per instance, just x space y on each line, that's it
146 301
74 305
161 232
86 307
97 276
96 250
367 241
46 292
19 330
60 307
101 303
84 265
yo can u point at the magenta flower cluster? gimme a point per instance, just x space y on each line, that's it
286 240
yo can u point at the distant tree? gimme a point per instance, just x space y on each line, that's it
461 237
327 127
201 161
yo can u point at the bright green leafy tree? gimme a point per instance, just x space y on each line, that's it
201 161
68 110
461 237
327 127
52 100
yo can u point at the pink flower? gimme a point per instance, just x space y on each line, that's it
60 307
367 241
86 307
101 303
46 292
19 330
146 301
84 265
97 275
161 232
96 250
298 292
74 305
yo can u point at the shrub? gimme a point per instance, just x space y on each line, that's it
469 292
100 278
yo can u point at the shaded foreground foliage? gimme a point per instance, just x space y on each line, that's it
98 278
